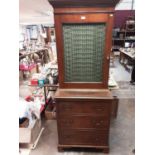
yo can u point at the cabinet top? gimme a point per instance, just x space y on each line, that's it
83 3
83 94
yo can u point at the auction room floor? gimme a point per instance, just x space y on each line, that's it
121 135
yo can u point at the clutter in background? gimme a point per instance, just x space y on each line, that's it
29 109
50 111
48 75
32 102
38 70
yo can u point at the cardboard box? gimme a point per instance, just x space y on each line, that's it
48 115
29 135
20 75
50 112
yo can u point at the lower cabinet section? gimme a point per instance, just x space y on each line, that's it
84 122
83 137
84 107
83 119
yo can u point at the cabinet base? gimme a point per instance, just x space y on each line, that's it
61 148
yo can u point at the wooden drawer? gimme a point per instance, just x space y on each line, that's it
83 122
83 137
84 107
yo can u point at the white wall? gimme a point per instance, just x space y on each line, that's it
125 5
35 12
41 12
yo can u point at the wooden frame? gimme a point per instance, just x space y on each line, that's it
90 17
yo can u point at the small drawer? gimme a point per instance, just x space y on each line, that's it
79 137
83 107
83 122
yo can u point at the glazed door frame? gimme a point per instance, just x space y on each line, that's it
89 18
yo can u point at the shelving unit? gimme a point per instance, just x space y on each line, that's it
125 34
127 57
32 62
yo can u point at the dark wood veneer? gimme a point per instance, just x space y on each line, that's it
84 109
87 10
83 114
83 3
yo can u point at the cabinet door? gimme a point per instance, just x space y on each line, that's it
83 44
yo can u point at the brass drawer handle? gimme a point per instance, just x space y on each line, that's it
67 108
67 136
67 122
100 109
98 123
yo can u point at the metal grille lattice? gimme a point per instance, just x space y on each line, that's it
83 52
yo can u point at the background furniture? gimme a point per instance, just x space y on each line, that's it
124 34
83 101
33 59
127 57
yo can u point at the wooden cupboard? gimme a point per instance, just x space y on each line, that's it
83 101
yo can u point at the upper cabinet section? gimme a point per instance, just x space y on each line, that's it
83 38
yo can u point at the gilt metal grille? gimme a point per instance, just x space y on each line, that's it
83 52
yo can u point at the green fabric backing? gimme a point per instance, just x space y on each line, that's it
83 52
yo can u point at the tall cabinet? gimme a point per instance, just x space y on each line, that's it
83 101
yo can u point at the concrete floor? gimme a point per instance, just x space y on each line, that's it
121 135
119 72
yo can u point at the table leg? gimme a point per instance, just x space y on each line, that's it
45 94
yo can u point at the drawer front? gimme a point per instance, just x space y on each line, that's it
78 137
83 122
83 107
